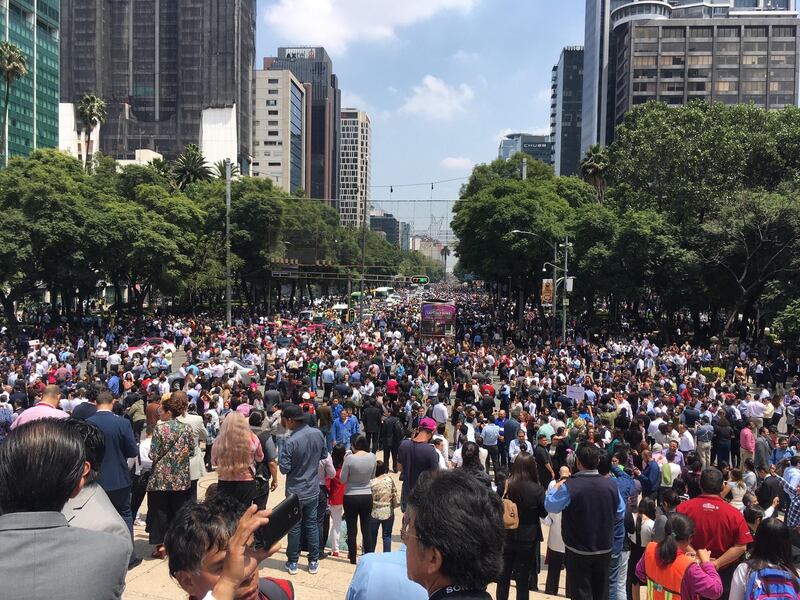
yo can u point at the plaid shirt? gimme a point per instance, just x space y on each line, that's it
793 512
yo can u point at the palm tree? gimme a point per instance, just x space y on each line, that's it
219 169
13 66
92 112
190 166
594 167
445 252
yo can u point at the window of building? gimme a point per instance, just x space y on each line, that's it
274 164
781 86
272 123
783 32
273 81
673 32
755 46
700 46
671 73
272 113
646 47
700 60
781 59
273 133
727 86
754 59
754 86
644 61
273 92
672 46
729 47
272 102
700 32
755 32
727 32
672 86
783 46
646 33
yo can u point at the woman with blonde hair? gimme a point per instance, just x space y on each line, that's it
235 452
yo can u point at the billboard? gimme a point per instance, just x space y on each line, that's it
438 320
547 292
298 53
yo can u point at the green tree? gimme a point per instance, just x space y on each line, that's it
13 66
595 167
753 239
445 252
91 112
787 322
190 166
219 170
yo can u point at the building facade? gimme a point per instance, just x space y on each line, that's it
387 224
731 51
566 111
279 129
32 25
171 73
313 66
539 147
355 168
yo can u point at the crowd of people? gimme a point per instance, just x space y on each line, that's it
632 467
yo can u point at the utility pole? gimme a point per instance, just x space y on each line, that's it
363 268
565 300
228 241
555 289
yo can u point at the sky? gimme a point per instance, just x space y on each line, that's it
441 80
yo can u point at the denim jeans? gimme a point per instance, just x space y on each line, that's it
308 523
618 575
387 526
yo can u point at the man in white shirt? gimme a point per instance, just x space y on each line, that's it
519 445
686 443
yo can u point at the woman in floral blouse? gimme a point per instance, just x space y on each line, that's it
169 486
384 500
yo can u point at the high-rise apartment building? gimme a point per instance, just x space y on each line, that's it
33 104
731 51
566 111
314 66
355 168
539 147
280 125
171 72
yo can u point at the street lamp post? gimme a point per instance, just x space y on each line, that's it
228 240
555 272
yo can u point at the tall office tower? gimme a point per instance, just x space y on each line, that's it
33 104
385 222
539 147
172 72
280 126
732 51
566 108
314 66
355 168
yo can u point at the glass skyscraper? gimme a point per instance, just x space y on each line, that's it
33 106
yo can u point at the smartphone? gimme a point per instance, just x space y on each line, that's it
284 516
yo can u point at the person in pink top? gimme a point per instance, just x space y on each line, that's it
46 408
747 443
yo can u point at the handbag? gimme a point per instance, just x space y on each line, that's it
510 513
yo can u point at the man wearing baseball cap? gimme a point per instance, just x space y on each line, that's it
416 456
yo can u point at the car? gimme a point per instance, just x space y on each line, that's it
147 344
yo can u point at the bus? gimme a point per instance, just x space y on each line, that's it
382 293
437 319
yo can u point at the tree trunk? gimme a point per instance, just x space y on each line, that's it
5 121
11 315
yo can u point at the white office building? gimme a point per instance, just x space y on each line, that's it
355 164
280 127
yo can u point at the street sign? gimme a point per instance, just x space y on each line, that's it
530 316
420 279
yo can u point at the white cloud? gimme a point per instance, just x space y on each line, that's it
465 56
435 99
544 94
335 24
543 130
456 163
353 100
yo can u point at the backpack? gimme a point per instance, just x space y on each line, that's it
771 584
510 513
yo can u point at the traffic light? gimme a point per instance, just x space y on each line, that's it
420 279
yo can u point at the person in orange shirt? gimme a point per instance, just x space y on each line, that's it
673 571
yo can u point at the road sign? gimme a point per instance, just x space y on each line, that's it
420 279
530 316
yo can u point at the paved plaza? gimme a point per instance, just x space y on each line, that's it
151 580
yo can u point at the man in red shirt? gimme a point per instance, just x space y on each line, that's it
719 527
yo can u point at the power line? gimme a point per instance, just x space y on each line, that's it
431 183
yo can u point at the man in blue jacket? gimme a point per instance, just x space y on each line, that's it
115 477
344 428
